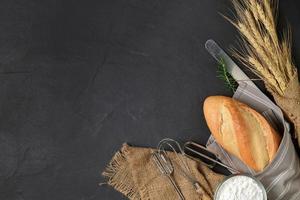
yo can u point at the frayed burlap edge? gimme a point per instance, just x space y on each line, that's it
118 175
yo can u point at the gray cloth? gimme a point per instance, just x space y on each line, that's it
281 178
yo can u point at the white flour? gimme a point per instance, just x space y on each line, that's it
240 188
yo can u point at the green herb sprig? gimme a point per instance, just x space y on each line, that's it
224 75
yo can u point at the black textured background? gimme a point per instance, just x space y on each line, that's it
78 78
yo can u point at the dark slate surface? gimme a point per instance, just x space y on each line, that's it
79 78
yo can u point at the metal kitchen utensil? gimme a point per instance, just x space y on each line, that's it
192 148
219 54
182 167
166 168
174 146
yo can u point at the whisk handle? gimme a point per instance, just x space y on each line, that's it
181 197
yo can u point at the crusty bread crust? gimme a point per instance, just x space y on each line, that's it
241 131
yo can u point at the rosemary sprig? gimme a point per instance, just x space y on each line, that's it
224 75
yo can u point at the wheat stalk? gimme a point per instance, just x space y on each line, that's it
266 54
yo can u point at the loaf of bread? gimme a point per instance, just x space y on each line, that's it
241 131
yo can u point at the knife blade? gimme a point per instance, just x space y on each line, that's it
218 53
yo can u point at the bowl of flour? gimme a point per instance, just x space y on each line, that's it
240 187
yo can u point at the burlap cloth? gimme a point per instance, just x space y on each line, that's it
133 173
290 103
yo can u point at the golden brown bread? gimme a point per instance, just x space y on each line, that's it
241 131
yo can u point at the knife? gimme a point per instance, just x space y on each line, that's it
219 54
